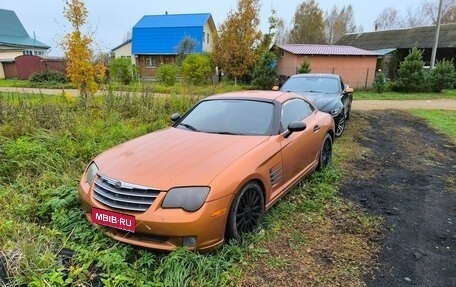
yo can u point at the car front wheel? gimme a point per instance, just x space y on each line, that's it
246 212
340 125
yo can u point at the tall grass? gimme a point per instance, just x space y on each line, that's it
45 144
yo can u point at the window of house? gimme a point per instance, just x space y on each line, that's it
150 62
282 53
207 36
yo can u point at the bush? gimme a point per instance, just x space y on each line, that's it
196 68
122 70
411 74
380 82
48 76
264 73
167 74
305 67
443 76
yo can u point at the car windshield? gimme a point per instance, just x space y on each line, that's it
227 116
312 85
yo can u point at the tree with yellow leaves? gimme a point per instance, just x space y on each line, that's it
77 46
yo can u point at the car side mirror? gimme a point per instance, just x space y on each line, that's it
275 88
349 90
175 117
295 126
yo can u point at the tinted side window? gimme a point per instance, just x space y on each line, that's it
295 110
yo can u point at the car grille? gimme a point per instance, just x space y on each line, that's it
123 196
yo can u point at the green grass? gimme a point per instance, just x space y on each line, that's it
12 83
443 121
371 95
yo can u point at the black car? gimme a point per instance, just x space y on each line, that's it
327 92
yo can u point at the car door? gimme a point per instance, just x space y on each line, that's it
299 150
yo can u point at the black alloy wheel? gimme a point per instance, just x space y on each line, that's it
246 212
325 153
340 126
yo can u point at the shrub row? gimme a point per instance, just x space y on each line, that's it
412 77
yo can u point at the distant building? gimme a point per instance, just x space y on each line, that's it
156 38
356 66
123 51
403 40
15 41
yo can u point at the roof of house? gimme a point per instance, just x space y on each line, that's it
121 45
13 33
161 34
173 20
421 37
327 50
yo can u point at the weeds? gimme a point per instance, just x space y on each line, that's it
46 142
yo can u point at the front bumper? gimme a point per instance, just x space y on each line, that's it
167 229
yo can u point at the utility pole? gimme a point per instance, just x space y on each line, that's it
437 33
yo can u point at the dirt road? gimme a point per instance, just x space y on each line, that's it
407 177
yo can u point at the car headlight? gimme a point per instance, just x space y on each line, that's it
187 198
336 111
91 173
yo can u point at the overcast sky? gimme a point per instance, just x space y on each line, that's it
110 20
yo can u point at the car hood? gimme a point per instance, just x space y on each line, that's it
174 157
324 102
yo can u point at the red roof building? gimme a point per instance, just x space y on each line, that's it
356 66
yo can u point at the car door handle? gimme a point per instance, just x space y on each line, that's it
316 128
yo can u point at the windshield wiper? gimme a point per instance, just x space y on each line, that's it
190 127
224 133
295 91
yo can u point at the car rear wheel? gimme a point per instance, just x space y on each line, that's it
340 126
325 153
246 212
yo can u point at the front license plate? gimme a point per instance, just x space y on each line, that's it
113 219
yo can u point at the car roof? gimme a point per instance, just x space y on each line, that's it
316 75
268 96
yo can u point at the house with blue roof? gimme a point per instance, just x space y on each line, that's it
156 38
15 41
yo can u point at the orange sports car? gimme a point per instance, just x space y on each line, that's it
211 175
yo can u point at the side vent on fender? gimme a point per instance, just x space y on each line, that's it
275 174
